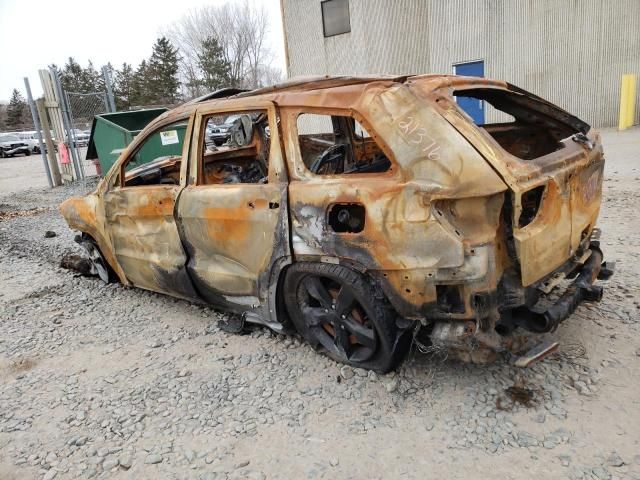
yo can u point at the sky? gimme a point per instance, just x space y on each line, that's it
37 33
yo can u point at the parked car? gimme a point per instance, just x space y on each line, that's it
81 137
31 140
11 145
219 133
376 213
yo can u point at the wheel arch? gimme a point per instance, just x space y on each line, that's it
377 280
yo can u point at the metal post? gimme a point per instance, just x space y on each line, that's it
107 81
67 123
36 125
105 102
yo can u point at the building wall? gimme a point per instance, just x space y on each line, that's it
572 52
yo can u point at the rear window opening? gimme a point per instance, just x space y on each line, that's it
338 145
537 127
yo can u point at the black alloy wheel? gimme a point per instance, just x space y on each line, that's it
338 311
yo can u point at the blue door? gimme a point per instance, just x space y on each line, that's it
473 107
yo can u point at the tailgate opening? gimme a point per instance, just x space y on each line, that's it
537 127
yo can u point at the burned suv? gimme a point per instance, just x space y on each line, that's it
374 213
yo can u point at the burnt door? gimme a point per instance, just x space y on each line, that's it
139 213
233 217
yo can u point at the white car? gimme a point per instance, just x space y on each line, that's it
31 139
11 144
81 138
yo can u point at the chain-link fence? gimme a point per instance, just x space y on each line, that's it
82 108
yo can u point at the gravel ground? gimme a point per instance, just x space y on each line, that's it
102 381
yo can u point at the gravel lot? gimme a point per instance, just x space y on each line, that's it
102 381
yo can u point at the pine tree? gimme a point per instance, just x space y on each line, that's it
3 116
123 87
16 111
72 76
163 72
216 70
91 80
140 94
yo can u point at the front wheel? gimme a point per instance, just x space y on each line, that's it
99 264
339 312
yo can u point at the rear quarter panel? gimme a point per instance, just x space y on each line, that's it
406 240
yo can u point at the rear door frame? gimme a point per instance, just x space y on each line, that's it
265 309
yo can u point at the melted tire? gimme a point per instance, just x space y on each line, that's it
102 267
391 342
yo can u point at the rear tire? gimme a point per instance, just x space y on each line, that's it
28 153
339 313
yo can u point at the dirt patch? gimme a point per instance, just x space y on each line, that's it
7 215
519 394
17 365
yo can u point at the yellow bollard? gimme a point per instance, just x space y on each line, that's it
631 106
627 101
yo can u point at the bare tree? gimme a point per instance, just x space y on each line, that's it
240 31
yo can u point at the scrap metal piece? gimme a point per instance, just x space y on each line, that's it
232 324
606 270
537 353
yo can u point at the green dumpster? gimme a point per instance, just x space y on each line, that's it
166 142
112 132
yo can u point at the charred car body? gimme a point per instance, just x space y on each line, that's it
373 208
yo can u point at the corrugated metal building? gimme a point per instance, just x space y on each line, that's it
572 52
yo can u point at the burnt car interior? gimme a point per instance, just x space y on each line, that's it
244 157
537 130
157 160
336 144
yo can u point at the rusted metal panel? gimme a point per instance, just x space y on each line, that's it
229 232
145 238
86 214
236 235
